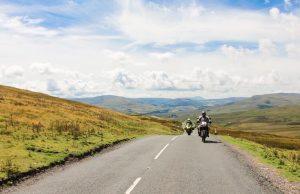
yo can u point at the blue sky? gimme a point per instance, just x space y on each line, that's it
63 13
67 13
164 48
84 10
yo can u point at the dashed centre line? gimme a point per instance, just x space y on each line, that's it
133 185
130 189
161 151
174 138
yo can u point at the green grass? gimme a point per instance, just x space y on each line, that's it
283 121
37 130
269 140
272 135
287 162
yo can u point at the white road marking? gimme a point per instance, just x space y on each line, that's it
133 185
174 138
161 151
140 178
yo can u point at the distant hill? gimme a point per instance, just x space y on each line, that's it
259 102
122 104
154 106
266 101
182 108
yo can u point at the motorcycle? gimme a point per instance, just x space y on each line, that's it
203 130
189 128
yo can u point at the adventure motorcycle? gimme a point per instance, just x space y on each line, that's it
203 130
189 128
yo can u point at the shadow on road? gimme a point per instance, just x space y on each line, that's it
211 141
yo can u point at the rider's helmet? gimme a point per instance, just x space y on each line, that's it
188 119
203 113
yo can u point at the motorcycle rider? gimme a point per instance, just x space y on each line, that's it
189 126
189 122
204 118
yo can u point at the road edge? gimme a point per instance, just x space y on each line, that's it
34 173
266 175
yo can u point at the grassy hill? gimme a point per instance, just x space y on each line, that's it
283 121
259 101
37 130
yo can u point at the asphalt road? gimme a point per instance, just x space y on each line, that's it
159 164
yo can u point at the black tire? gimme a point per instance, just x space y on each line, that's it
203 138
188 131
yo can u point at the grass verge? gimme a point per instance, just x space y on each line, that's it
269 140
287 162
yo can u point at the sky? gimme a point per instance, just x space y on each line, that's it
151 48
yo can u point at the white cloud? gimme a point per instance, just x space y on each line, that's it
42 68
1 71
266 47
149 80
147 23
125 80
272 77
119 57
65 87
162 57
158 80
25 25
287 3
235 53
274 12
46 78
13 71
201 80
195 80
292 49
45 69
214 80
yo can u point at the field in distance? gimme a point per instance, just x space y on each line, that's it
284 121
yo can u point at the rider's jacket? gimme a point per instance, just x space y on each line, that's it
205 119
189 123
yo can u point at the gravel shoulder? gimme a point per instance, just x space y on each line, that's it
266 174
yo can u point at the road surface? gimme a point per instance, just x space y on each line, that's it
158 164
